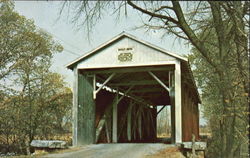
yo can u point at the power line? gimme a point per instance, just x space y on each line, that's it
71 52
62 41
66 43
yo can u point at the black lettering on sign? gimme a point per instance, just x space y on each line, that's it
125 57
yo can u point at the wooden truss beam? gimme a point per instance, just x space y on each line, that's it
129 120
125 93
136 83
102 85
129 69
161 109
114 120
147 90
159 81
140 100
135 98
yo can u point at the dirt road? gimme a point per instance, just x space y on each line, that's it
123 150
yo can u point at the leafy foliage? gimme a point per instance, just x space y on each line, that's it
224 96
34 102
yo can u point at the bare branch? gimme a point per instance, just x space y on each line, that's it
163 7
151 13
190 33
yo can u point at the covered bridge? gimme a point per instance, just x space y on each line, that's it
117 89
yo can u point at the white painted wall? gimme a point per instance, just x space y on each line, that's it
177 85
142 55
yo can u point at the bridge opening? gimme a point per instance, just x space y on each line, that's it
126 102
164 124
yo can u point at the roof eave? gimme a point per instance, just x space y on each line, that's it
192 77
72 64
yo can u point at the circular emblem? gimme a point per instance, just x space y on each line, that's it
125 57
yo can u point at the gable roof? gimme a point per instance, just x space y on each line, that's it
72 64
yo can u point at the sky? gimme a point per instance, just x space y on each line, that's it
74 39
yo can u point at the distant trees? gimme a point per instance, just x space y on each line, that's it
163 122
34 102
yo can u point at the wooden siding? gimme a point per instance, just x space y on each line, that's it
190 114
86 111
108 57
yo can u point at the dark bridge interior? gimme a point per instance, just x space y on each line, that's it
136 93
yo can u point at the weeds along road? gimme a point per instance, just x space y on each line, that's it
123 150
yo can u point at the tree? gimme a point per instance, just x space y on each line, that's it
228 123
16 35
38 112
225 24
35 102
